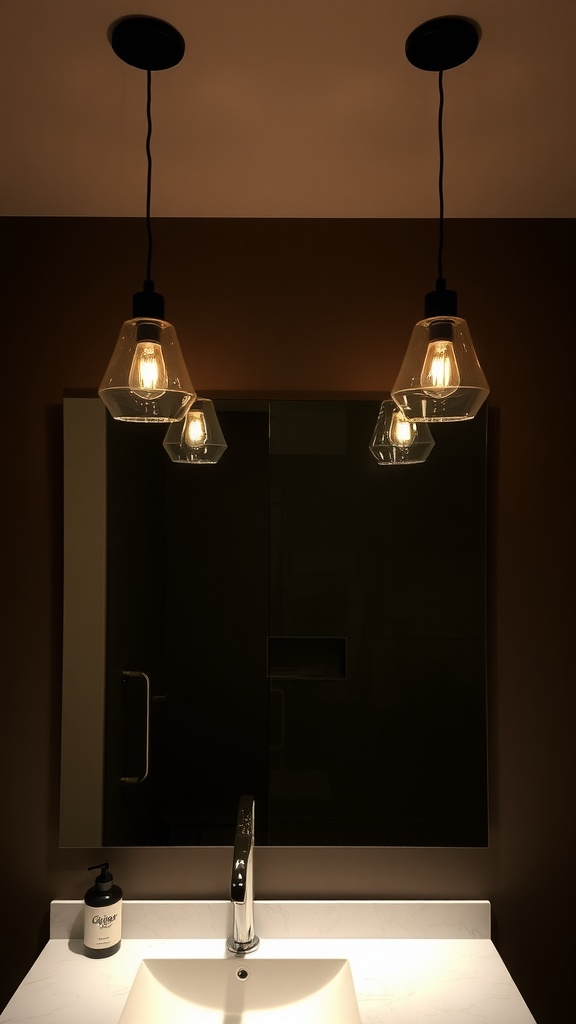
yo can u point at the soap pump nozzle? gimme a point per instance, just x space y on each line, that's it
105 878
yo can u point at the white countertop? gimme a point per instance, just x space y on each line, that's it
410 960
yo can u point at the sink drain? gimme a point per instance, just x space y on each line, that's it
242 974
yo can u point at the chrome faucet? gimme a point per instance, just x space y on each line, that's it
243 939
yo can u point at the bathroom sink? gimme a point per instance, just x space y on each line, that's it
240 991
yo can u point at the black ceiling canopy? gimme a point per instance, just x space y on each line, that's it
147 43
442 43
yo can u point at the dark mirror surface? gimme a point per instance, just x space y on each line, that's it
297 622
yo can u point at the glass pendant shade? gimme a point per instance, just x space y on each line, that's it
440 379
146 380
397 441
197 439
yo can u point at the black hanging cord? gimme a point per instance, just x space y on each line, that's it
441 179
148 302
149 174
442 301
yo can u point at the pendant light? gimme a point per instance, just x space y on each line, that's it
440 379
197 438
146 380
397 441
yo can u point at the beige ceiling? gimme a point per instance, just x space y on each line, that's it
287 108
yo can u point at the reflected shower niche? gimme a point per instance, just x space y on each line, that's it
296 622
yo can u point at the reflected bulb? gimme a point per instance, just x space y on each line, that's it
148 377
195 432
402 432
440 375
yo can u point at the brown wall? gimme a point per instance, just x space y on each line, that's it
302 306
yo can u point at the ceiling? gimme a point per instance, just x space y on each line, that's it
299 108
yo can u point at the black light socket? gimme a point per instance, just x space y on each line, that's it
441 302
148 303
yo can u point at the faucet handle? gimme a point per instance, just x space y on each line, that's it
243 938
243 844
245 820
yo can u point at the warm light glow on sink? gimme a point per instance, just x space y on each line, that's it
242 991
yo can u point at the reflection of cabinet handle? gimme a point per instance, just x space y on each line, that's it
133 780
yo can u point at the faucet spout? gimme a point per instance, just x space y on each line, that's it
243 939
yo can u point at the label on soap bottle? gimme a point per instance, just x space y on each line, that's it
102 926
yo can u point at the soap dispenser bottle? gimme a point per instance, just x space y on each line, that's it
102 915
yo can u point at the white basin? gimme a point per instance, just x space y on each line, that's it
242 991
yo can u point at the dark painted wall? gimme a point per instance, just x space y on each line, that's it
308 306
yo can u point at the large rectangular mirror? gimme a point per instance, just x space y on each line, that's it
295 621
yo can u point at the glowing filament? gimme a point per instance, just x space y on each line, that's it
401 433
148 377
440 376
195 432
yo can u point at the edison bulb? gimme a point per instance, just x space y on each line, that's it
195 431
440 375
148 377
402 432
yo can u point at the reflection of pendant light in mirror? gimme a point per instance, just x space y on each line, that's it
440 379
146 380
397 441
197 439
